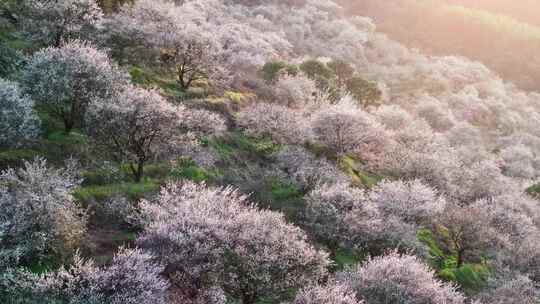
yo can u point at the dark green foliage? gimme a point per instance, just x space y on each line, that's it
10 60
283 191
366 92
108 182
57 145
534 190
16 158
342 70
246 164
279 194
338 75
101 177
344 258
272 70
315 69
188 169
471 278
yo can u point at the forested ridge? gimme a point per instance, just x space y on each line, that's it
257 152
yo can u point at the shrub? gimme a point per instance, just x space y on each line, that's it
366 92
316 69
271 71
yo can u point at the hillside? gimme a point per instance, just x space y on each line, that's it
255 152
499 38
526 11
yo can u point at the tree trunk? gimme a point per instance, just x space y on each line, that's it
459 258
249 299
68 124
138 172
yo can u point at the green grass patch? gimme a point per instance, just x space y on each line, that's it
133 191
67 139
238 144
188 169
43 266
280 195
284 191
16 157
534 190
10 38
344 258
156 171
167 83
237 97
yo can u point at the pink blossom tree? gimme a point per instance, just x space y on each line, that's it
412 201
329 294
307 170
345 128
395 278
138 125
339 214
215 237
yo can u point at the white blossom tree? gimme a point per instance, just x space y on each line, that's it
187 43
395 279
192 58
136 125
18 120
63 81
412 201
50 22
308 170
513 289
282 124
341 215
299 92
214 237
329 294
345 128
518 161
393 117
132 277
40 219
465 232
